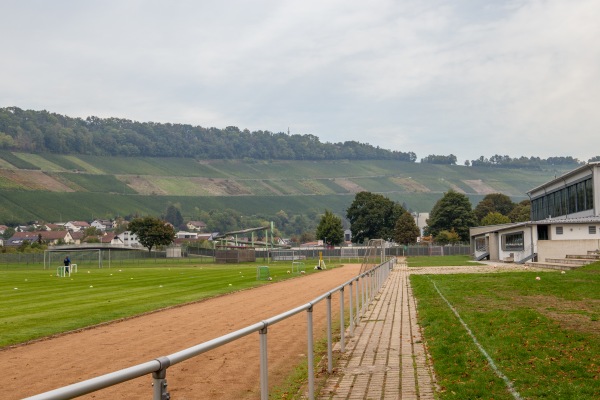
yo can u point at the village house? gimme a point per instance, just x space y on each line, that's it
197 226
129 239
77 226
102 224
186 235
47 237
53 227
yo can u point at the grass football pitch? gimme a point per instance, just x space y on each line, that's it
36 303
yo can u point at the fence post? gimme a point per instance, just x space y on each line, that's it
342 322
264 365
367 292
159 380
329 338
311 355
351 311
357 295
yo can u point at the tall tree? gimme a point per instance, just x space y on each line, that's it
330 229
495 218
173 215
152 232
373 216
406 230
521 212
452 211
494 202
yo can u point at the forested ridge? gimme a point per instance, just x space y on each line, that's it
45 132
42 131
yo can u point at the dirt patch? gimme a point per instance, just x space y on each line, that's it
411 185
349 185
472 269
228 372
34 180
480 187
220 187
141 185
581 316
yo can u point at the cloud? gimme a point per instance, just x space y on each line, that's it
466 77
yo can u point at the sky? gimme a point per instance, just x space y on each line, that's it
465 77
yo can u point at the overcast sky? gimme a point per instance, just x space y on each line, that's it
462 77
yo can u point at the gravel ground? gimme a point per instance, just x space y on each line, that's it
488 268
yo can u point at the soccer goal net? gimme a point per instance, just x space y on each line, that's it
82 258
286 255
374 254
349 253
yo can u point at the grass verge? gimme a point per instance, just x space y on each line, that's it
543 335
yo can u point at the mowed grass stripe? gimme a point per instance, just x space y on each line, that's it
43 304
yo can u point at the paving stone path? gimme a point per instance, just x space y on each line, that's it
386 358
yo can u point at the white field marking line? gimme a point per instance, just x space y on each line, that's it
508 383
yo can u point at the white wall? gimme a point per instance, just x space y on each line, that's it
574 231
562 248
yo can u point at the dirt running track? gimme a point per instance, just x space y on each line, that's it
228 372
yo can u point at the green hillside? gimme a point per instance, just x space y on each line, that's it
59 187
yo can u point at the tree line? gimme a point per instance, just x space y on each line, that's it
370 216
42 131
374 216
499 161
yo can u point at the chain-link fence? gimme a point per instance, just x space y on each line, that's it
142 257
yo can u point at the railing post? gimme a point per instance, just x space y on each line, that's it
351 310
357 294
367 292
364 294
264 365
329 337
159 380
311 355
342 322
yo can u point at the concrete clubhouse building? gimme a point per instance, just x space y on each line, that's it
565 220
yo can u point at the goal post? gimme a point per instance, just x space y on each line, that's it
80 257
349 253
286 255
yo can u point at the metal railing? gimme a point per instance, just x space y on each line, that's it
362 290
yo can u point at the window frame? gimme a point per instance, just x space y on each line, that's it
514 241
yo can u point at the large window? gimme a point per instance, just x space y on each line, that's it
589 194
480 245
513 241
571 199
581 196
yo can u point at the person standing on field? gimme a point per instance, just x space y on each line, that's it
67 262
